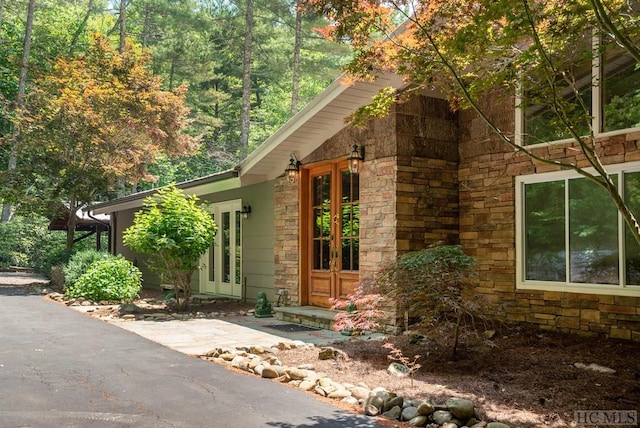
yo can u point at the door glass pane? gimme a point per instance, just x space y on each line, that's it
632 249
238 248
321 209
544 231
212 259
349 227
593 234
225 246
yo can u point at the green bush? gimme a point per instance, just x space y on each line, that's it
111 279
430 284
79 264
175 231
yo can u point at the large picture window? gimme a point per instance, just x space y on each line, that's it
604 96
572 238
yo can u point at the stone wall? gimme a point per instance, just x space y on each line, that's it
287 248
487 172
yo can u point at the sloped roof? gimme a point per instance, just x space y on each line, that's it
318 121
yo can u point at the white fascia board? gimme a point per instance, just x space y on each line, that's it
198 190
310 110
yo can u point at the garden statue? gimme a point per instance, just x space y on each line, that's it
263 307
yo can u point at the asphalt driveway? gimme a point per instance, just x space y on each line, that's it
59 368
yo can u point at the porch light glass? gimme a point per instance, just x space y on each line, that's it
292 169
355 159
246 210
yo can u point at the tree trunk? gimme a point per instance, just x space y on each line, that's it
123 23
297 45
19 103
71 224
246 82
1 16
81 27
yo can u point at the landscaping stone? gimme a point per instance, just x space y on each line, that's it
398 370
393 402
461 408
419 421
497 425
442 416
393 413
409 413
425 409
269 372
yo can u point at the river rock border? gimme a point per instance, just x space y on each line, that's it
378 401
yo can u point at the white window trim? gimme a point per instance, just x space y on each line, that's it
569 287
596 107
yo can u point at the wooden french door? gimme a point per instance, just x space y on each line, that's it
333 220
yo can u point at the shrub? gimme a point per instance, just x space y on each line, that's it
361 312
430 284
175 231
111 279
27 242
79 264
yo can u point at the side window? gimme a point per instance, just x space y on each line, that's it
610 101
570 236
620 92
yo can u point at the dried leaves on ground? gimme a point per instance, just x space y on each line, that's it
523 376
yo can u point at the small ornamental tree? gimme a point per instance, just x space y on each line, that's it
430 284
175 231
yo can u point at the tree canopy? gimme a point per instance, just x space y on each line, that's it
541 52
96 121
194 42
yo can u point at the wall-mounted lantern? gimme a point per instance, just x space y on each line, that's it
293 169
355 159
246 210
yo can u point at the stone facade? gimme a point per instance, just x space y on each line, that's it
487 172
287 250
431 175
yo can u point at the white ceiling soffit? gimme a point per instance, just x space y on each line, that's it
318 121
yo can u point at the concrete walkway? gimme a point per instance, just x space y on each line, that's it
198 336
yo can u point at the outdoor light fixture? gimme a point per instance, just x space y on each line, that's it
355 159
246 210
293 168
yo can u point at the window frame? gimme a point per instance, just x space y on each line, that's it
621 289
597 107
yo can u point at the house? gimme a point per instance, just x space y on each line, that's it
428 174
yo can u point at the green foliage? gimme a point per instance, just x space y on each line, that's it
175 231
79 264
430 284
27 242
112 279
